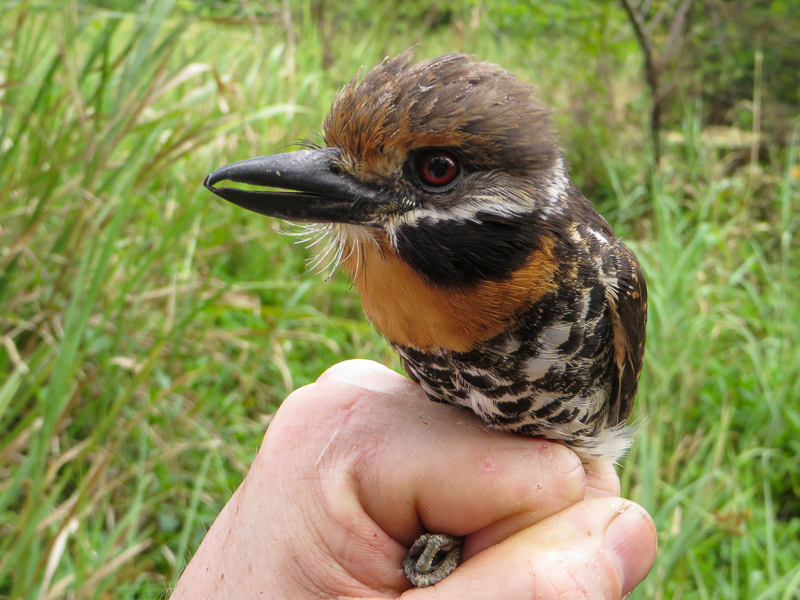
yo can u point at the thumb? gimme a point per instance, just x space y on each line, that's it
599 548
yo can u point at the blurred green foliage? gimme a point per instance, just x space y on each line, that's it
713 66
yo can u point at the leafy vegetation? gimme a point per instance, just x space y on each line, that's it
149 331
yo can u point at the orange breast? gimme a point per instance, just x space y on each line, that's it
407 310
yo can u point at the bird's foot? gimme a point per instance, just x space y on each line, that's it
432 557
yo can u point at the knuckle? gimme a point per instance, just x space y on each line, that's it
563 470
314 414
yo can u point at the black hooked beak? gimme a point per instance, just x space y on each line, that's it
323 194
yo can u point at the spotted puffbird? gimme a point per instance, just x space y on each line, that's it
446 199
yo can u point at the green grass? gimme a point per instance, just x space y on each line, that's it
150 331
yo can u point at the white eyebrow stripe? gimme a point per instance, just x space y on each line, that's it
464 212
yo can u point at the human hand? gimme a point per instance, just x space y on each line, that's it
357 465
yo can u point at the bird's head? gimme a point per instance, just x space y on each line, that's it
448 169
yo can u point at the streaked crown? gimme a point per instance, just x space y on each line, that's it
449 101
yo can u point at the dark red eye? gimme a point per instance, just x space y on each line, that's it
437 168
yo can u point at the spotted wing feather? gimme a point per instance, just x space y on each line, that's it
628 302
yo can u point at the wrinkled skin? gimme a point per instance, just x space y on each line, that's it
355 466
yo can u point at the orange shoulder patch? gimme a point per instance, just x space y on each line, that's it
407 310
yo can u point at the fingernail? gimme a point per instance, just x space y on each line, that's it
631 540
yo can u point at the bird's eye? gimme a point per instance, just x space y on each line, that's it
437 168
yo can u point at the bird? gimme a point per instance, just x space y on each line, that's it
443 193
